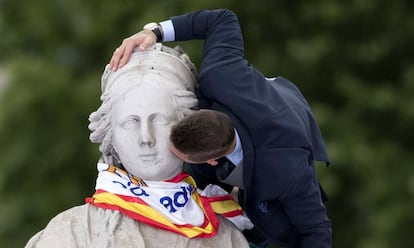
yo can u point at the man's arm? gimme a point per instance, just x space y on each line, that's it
303 205
287 177
220 30
209 25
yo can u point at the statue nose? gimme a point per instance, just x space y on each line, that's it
146 143
147 137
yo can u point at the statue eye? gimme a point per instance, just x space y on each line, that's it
161 120
130 123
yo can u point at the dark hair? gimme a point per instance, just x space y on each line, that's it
204 135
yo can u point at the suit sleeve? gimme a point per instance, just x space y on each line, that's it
291 189
220 31
303 204
225 75
222 50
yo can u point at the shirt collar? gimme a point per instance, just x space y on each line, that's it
236 157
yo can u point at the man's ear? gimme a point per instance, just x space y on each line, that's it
212 162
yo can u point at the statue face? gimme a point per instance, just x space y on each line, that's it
141 123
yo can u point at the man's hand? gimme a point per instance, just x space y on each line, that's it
142 40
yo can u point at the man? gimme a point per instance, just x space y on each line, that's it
140 104
266 141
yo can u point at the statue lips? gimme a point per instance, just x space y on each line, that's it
148 156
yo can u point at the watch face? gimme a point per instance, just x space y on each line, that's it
150 26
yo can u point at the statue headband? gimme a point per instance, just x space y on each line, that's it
157 58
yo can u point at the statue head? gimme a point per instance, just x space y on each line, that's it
140 104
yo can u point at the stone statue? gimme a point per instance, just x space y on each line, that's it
140 104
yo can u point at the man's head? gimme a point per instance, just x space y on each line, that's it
203 137
140 104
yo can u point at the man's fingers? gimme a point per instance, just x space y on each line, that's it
126 53
116 57
122 54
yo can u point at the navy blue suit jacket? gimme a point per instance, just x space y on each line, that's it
279 134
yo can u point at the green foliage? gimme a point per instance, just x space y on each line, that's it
353 60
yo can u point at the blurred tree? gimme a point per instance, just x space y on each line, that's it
353 60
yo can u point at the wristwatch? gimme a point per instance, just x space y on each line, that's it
156 29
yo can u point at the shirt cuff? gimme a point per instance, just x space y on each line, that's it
168 30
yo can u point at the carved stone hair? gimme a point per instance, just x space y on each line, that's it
171 64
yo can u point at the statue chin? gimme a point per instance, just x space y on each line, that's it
160 169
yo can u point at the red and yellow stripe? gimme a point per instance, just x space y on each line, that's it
137 209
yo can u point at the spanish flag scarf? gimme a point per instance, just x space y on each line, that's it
174 205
